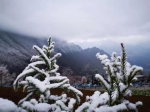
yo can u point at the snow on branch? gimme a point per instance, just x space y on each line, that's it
43 55
103 82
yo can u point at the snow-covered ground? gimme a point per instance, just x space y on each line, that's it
8 106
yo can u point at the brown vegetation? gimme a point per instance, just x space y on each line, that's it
10 94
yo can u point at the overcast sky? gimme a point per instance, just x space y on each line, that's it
84 22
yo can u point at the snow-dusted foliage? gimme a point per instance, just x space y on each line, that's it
39 77
120 75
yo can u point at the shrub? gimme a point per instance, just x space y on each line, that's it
120 75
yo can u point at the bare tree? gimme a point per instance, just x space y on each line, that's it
67 71
5 77
83 80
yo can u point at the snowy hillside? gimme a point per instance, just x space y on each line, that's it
65 47
16 51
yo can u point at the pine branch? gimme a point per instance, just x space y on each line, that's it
26 98
103 82
40 71
43 55
22 75
123 64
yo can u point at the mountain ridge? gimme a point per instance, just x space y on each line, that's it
16 51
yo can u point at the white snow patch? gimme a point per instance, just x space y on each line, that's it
42 107
7 106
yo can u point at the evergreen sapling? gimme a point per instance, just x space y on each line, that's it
120 75
39 77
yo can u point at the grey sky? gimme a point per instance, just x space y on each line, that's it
84 22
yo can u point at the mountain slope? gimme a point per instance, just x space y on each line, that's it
16 51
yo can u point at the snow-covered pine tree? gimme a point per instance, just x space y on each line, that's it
120 75
39 77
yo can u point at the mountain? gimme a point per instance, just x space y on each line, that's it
79 60
16 51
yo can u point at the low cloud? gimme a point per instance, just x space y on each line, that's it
79 21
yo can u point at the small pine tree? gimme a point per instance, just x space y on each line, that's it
120 75
39 77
